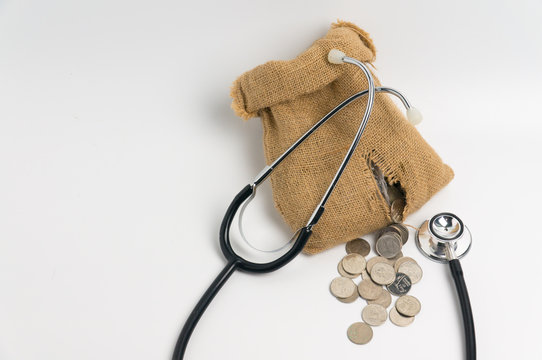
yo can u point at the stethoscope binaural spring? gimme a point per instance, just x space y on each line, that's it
235 261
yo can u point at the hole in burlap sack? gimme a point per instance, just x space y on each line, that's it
392 193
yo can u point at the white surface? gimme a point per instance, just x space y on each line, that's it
119 155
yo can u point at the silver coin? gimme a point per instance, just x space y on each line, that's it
388 245
401 285
353 263
359 333
403 232
412 269
374 314
397 209
394 259
368 290
358 246
399 319
402 260
350 299
384 299
383 274
342 287
343 273
408 305
377 259
389 229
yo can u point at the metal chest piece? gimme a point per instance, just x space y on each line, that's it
444 237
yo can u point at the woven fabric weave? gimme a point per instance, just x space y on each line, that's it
290 96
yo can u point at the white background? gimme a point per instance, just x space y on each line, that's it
119 154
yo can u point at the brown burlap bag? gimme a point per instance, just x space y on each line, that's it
290 96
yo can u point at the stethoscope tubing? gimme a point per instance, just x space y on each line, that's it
201 306
466 310
236 262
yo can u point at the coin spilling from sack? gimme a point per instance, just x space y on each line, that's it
382 276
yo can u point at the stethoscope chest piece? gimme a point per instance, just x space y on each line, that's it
444 237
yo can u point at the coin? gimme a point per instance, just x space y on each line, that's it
388 245
394 259
358 246
342 287
384 299
343 273
359 333
399 319
401 285
368 290
403 231
377 259
383 274
401 261
349 299
389 229
412 269
397 209
374 314
353 263
408 305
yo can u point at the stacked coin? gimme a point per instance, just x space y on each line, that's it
382 276
397 209
404 311
391 240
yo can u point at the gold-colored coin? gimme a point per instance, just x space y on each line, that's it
408 305
374 314
402 260
342 287
343 273
399 319
384 299
359 333
377 259
353 263
412 270
358 246
368 290
383 274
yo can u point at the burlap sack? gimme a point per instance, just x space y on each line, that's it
290 96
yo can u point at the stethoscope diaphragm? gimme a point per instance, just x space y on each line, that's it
444 237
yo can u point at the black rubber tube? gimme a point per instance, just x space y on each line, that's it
202 304
466 311
235 262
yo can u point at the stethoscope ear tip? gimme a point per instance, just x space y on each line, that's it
335 56
414 116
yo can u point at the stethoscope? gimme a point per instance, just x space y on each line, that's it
237 262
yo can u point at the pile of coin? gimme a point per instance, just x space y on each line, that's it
382 276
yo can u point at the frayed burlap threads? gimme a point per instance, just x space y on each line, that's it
290 96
